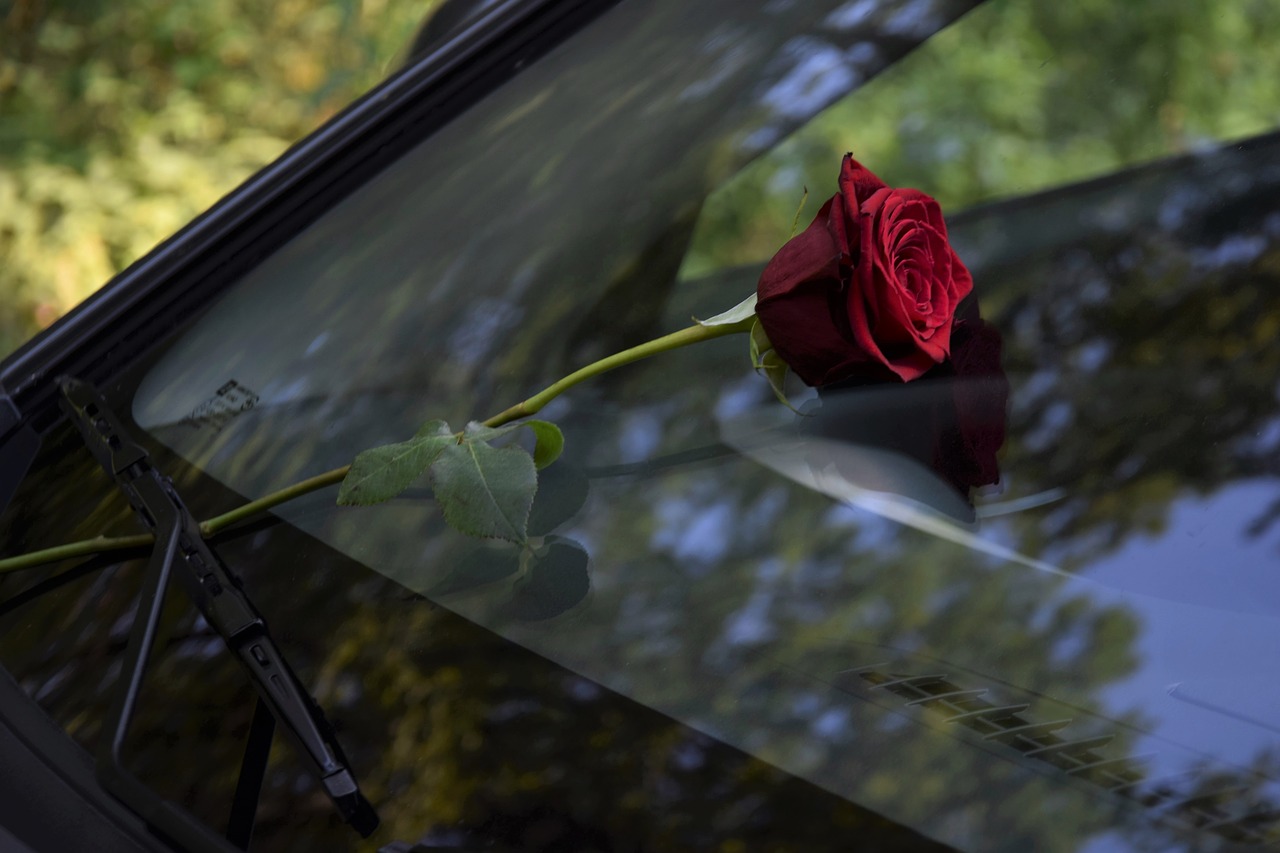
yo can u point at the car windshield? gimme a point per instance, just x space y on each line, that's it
756 631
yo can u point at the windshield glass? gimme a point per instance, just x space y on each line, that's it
1070 663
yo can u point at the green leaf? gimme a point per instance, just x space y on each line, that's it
435 429
557 581
744 309
548 442
775 370
485 491
548 439
765 359
381 473
760 344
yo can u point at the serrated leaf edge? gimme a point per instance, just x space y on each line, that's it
345 491
449 513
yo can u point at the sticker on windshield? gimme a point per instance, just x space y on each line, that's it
229 401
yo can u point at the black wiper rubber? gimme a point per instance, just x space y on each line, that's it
180 550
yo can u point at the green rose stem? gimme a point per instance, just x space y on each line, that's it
83 548
675 340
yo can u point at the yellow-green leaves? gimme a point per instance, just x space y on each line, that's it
765 359
483 490
548 442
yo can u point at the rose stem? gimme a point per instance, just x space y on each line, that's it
675 340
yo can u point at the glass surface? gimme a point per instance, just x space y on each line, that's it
813 604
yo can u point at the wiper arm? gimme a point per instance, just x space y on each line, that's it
217 594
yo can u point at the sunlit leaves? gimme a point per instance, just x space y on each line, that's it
123 121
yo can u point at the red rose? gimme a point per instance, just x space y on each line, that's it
868 290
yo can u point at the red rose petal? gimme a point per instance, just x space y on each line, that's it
869 289
810 255
857 183
802 331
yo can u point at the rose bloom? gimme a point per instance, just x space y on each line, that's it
869 290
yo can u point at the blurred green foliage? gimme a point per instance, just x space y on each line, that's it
1018 96
120 122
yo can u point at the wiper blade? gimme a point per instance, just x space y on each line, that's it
181 551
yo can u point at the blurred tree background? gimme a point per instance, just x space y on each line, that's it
120 122
1018 96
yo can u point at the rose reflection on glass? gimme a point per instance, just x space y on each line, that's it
951 421
965 454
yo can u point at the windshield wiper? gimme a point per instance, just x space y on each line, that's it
181 551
